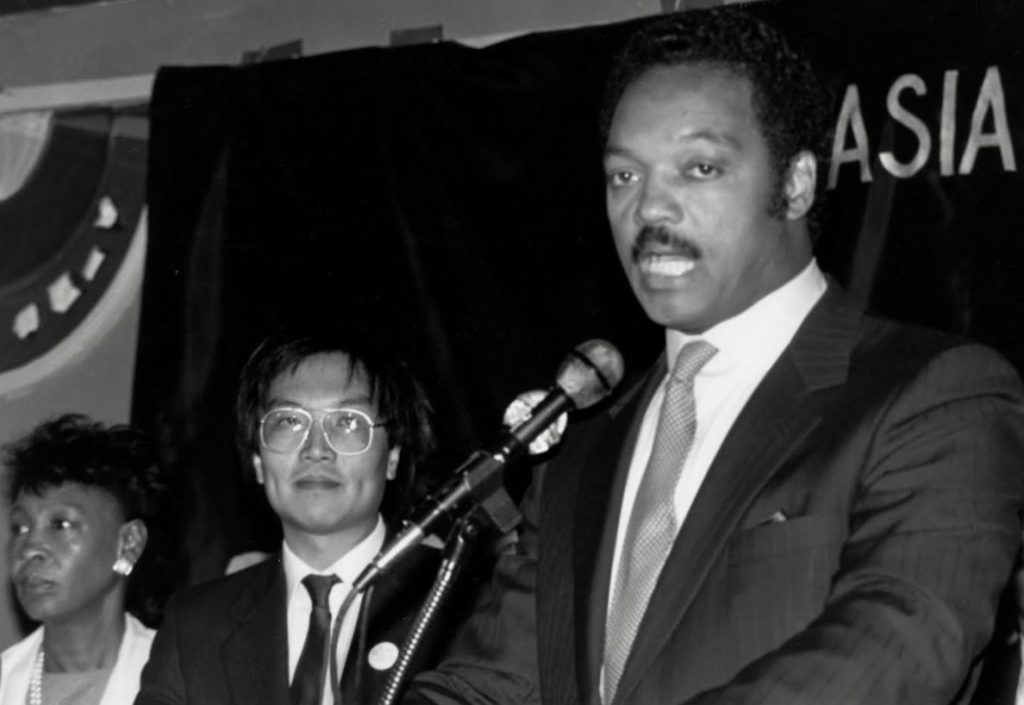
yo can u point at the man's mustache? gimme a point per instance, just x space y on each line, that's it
659 235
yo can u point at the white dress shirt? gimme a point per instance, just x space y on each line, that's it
748 345
347 568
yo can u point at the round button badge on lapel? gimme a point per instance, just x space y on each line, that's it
383 656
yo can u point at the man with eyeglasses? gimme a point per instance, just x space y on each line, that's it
333 430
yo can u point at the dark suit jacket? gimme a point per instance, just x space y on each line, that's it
897 456
226 641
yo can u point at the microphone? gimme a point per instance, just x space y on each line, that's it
588 374
521 409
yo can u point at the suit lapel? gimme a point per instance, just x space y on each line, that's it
255 654
780 415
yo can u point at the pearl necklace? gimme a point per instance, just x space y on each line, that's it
35 684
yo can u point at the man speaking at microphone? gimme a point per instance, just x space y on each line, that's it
334 431
799 503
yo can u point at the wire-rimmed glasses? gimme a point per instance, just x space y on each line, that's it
348 431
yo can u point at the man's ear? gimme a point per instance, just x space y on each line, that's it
393 456
257 466
132 540
799 186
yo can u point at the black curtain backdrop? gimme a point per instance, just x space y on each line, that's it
450 201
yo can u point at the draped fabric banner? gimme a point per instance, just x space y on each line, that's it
450 201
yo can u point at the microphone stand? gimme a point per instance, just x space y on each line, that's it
464 534
478 484
589 373
496 509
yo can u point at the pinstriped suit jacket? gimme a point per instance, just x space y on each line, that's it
897 456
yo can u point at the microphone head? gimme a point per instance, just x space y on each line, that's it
521 409
590 372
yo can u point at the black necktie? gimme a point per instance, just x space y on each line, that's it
307 686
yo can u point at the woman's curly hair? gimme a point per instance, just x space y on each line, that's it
120 460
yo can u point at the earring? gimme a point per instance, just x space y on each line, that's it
123 566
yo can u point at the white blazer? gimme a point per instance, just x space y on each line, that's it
17 660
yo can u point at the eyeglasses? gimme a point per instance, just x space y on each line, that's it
348 431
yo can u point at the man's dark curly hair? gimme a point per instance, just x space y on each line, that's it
120 460
791 103
401 403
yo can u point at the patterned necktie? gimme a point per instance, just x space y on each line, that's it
307 686
652 524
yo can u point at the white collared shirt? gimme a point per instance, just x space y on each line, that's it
748 345
347 568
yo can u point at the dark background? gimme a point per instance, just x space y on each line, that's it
449 201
